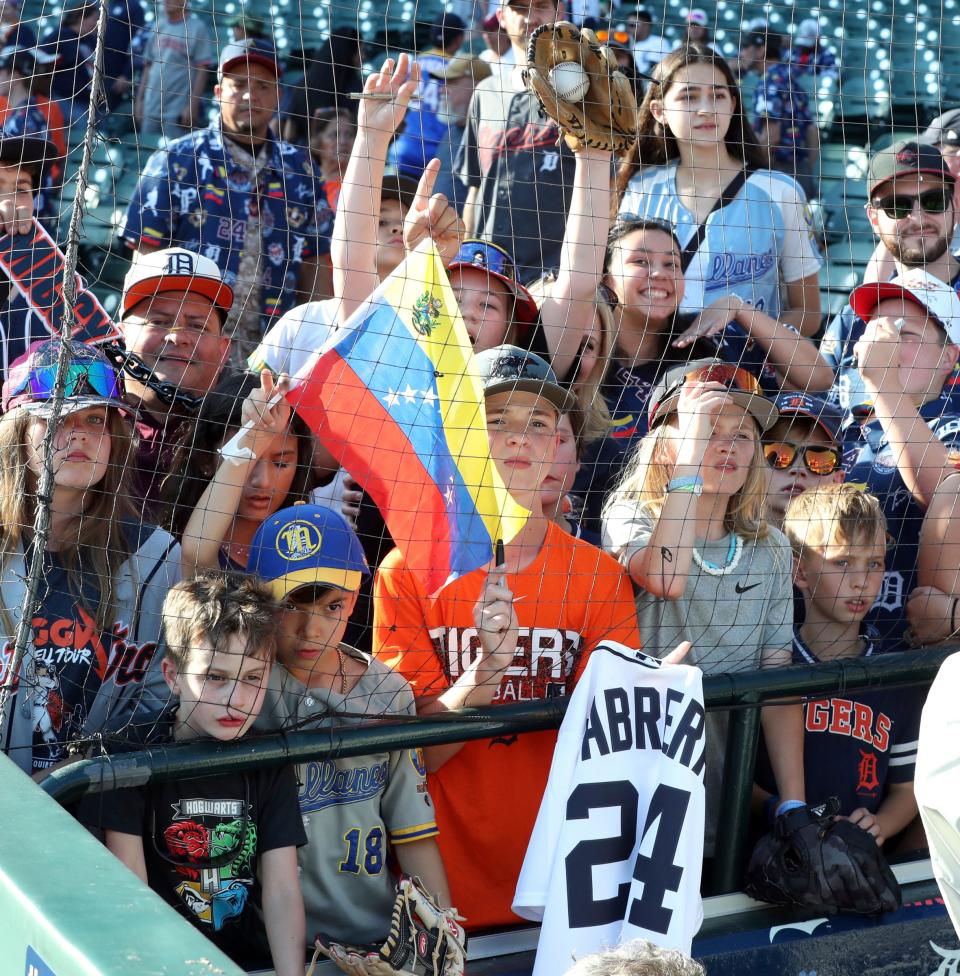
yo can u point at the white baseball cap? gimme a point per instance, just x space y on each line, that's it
174 269
697 16
936 297
807 32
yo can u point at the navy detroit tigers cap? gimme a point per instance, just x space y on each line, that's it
797 404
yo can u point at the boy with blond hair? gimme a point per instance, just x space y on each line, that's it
222 850
860 747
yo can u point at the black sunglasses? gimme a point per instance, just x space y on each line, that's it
899 206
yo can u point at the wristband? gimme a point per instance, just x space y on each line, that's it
786 806
232 451
691 484
770 807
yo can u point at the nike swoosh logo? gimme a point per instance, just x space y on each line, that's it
743 589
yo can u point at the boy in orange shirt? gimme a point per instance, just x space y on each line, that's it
520 631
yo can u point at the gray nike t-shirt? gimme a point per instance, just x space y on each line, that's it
737 622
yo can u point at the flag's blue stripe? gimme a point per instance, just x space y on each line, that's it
383 352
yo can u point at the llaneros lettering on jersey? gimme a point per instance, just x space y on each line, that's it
324 785
841 716
543 665
730 269
672 724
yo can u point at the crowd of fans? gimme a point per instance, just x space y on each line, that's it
698 464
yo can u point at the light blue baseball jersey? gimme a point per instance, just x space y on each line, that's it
759 242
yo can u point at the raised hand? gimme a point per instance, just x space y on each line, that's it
878 355
386 95
697 410
431 215
496 622
265 414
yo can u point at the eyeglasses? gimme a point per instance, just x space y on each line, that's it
93 378
897 207
817 460
732 377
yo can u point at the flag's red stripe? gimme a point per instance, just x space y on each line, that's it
360 433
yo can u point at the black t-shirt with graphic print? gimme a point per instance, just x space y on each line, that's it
202 841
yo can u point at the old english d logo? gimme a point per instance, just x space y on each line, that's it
180 263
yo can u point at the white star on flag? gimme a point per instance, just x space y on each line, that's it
410 394
429 397
392 398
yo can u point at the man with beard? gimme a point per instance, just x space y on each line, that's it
912 210
236 194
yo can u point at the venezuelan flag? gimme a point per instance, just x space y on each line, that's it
396 398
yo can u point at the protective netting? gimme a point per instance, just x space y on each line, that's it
305 235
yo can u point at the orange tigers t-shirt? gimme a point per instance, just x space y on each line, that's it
487 796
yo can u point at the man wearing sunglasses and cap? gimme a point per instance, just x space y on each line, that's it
943 133
908 445
912 210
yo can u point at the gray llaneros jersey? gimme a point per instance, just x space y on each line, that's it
353 808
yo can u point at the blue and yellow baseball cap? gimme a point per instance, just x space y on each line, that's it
307 545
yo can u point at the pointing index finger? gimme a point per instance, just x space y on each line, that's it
425 187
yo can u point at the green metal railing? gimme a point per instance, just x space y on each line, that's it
740 692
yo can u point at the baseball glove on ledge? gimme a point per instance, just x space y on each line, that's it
605 116
823 864
424 940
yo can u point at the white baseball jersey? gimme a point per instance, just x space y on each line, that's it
937 782
617 848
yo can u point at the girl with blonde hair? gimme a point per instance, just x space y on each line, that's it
687 524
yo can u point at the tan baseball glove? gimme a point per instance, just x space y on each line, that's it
424 940
606 117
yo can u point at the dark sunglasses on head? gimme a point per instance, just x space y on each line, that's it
780 456
898 206
732 377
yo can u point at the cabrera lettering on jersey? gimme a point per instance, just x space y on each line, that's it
671 723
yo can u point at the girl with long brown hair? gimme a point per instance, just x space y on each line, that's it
748 249
93 658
